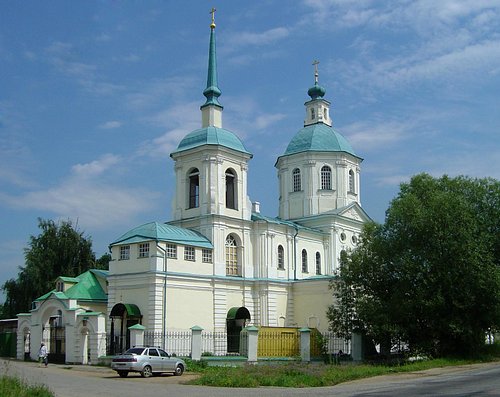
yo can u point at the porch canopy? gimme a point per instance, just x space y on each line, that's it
132 310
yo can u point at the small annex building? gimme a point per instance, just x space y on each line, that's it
219 263
70 320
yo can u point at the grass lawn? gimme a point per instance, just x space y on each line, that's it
316 374
13 387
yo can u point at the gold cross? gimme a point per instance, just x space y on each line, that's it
315 64
212 11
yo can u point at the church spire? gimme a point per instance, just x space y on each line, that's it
211 110
212 92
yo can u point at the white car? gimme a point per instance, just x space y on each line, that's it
147 361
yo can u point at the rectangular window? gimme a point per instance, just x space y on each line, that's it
143 250
189 254
206 255
171 251
124 252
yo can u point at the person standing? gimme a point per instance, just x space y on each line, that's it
43 355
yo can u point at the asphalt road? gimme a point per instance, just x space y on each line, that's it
84 381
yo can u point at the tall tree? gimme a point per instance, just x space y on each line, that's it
430 275
59 250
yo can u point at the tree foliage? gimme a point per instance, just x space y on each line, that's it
59 250
430 275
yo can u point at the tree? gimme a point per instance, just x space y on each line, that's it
430 275
59 250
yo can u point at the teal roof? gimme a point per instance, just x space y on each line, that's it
87 288
163 232
211 136
318 138
279 221
68 279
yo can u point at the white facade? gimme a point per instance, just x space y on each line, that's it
276 270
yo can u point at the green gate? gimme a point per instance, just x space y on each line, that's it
8 344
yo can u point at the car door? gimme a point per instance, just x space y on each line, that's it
155 360
168 363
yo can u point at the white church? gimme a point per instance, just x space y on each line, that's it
219 263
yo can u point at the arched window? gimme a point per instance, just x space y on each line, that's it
281 257
194 189
231 257
351 181
312 113
326 178
297 186
304 261
318 263
230 189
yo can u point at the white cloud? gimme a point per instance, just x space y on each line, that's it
87 196
263 121
65 59
152 93
109 125
369 135
242 40
96 167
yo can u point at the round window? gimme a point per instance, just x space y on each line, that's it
354 239
342 236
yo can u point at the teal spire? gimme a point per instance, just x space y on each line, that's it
212 92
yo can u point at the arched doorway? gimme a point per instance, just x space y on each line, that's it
236 319
123 316
57 338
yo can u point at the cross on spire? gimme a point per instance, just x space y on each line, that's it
316 74
212 11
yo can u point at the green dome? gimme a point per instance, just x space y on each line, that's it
316 91
211 136
318 138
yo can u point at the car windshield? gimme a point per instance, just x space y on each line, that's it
135 350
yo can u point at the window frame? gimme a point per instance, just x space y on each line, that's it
194 188
231 201
352 182
232 257
326 178
296 180
189 253
207 255
144 250
281 257
124 252
171 251
305 267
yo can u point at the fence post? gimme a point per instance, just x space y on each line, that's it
196 343
305 344
137 335
253 343
357 346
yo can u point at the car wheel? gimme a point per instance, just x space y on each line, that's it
146 372
123 374
179 370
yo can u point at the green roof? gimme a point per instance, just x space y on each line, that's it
318 138
279 221
68 279
87 288
211 136
155 231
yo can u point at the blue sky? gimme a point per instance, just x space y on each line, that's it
94 95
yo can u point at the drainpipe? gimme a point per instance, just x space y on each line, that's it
295 253
164 316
